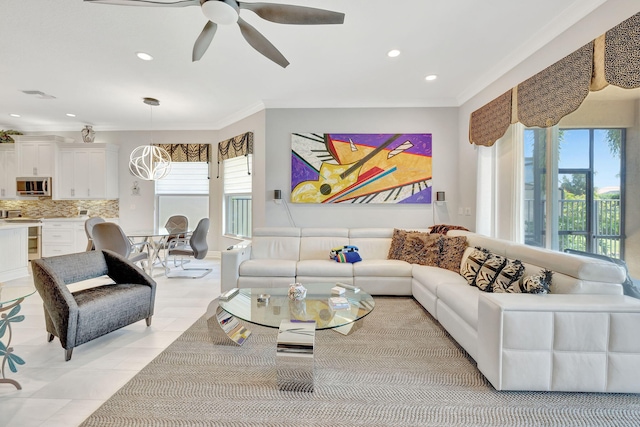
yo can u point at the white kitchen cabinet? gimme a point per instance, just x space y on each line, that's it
14 260
7 171
65 236
58 238
36 155
87 172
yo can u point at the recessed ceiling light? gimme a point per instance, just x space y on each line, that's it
14 115
393 53
431 77
144 56
70 115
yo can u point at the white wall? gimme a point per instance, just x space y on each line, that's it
281 123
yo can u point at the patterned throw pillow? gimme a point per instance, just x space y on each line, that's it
397 244
538 283
472 265
489 271
421 248
509 278
451 252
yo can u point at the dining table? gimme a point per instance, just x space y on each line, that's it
157 238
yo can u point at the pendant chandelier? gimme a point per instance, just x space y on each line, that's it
150 162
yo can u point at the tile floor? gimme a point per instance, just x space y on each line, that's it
58 393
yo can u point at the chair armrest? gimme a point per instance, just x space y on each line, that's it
122 270
229 266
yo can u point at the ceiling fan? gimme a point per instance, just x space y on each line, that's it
227 12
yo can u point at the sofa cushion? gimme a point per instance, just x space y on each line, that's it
451 252
577 266
472 263
382 268
268 268
324 268
316 243
433 277
421 248
462 299
275 243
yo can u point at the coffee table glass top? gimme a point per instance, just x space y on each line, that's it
246 305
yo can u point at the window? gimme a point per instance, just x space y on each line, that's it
584 192
237 196
184 191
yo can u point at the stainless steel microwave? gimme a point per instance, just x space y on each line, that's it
33 186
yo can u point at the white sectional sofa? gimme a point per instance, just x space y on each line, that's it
582 336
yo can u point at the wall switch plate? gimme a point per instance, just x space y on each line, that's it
460 211
467 211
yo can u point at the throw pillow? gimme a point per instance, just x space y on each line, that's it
489 271
348 257
472 265
509 278
397 243
451 252
538 283
421 248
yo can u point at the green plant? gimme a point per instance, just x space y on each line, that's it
5 135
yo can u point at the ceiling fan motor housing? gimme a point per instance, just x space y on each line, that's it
222 12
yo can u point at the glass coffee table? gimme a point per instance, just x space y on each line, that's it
296 321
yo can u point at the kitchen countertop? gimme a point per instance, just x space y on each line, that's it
11 225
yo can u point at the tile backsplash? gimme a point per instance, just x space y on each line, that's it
47 208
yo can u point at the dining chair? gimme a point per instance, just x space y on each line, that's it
109 236
195 246
88 228
177 226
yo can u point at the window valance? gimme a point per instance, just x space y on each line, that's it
622 54
558 90
188 152
490 122
241 145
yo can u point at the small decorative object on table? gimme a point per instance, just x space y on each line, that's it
339 303
297 292
88 134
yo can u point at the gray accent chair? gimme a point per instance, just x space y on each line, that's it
79 317
88 229
195 246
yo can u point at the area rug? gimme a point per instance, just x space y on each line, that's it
400 369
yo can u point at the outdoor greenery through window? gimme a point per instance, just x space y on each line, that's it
237 196
584 167
184 191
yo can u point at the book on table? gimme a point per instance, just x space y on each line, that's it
339 303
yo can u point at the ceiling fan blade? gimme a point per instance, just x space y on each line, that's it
290 14
149 3
204 40
261 44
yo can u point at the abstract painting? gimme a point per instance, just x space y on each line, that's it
360 168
